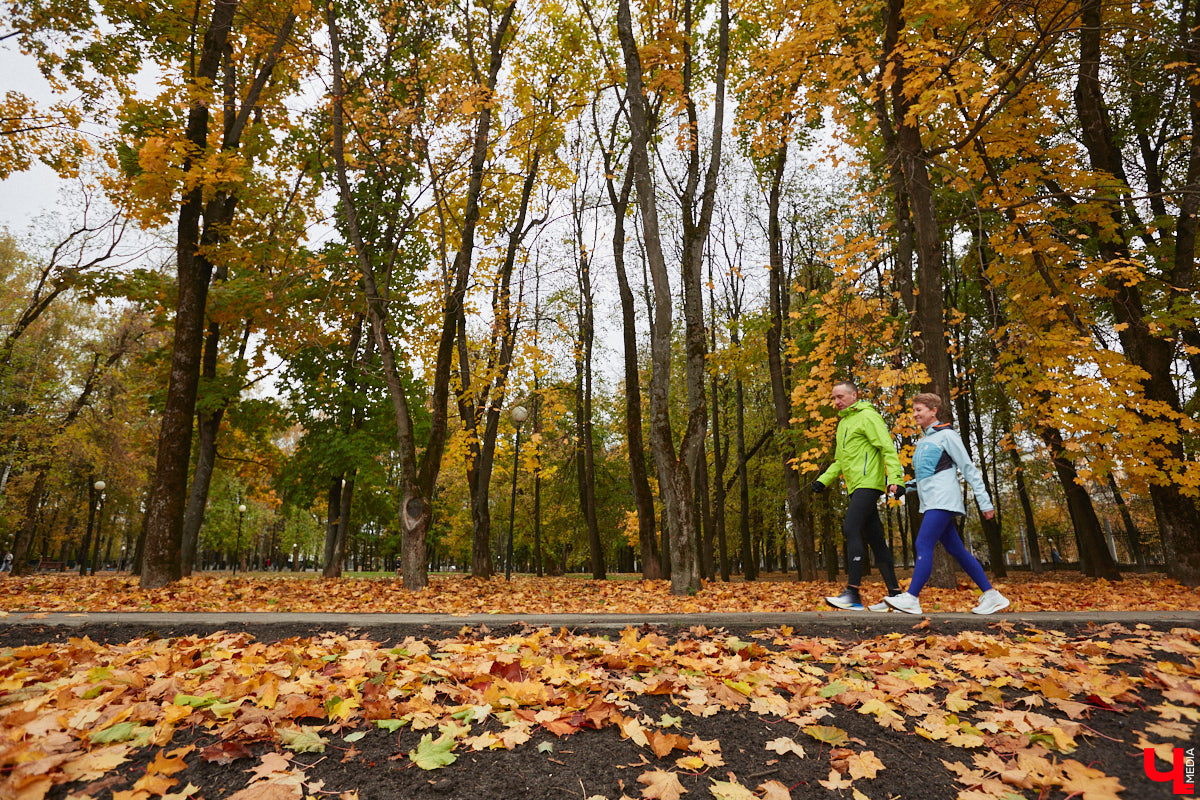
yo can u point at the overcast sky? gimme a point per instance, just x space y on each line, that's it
24 195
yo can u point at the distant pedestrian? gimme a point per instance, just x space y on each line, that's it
865 456
938 453
6 565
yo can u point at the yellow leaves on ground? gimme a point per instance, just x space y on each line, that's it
527 595
72 713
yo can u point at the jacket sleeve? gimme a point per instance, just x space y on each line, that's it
831 472
881 438
957 451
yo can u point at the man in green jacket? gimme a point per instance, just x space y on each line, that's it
866 458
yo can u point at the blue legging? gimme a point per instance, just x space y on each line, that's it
938 526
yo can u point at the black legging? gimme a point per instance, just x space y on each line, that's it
862 518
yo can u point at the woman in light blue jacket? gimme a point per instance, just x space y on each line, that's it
938 457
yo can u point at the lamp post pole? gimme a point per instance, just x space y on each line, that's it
518 415
96 499
100 487
237 549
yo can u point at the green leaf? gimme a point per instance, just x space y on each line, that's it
123 732
195 702
835 688
430 754
354 737
226 709
97 674
668 721
302 740
391 725
546 747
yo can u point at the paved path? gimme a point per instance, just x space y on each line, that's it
804 621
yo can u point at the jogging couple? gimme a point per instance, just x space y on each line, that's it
866 458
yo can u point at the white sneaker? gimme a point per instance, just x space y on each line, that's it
904 602
991 602
880 606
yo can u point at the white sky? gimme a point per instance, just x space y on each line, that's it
25 195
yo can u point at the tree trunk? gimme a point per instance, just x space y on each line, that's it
1132 536
829 540
33 502
802 533
674 485
749 561
991 527
709 528
1095 559
162 555
720 459
208 426
643 499
927 235
585 465
537 432
335 541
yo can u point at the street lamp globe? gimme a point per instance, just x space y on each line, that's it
242 509
99 486
519 414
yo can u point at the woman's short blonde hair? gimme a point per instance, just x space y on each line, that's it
934 401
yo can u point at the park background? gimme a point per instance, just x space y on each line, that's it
291 292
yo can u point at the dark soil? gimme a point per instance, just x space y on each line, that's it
600 762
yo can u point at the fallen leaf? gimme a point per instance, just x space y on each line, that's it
661 785
784 745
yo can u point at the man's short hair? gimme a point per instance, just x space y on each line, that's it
849 384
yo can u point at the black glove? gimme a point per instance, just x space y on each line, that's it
899 491
818 487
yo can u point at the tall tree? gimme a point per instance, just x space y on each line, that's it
676 471
417 479
1178 518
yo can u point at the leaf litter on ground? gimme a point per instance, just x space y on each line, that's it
1007 709
288 592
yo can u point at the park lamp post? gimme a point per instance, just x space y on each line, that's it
518 416
100 486
237 548
97 503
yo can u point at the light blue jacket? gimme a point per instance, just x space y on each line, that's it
937 454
